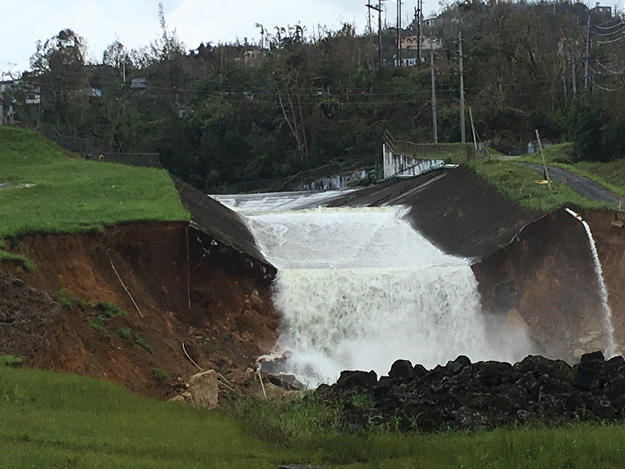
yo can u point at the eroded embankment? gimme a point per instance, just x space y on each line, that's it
189 287
545 280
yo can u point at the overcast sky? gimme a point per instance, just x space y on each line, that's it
135 22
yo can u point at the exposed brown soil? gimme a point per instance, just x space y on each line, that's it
218 304
546 275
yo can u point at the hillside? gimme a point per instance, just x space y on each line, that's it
57 192
102 275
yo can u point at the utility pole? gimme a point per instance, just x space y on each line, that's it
463 130
586 77
434 123
573 72
419 15
399 64
379 10
368 5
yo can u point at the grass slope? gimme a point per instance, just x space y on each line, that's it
73 195
56 420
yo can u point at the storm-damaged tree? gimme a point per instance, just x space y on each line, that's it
58 68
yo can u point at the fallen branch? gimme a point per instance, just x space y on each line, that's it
125 288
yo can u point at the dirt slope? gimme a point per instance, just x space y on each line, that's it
218 304
547 276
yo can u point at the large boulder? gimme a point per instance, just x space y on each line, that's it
357 379
202 390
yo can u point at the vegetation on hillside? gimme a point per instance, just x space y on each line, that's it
57 193
300 104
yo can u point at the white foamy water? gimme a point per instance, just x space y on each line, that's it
359 289
610 349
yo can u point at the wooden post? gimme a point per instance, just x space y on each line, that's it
473 130
542 155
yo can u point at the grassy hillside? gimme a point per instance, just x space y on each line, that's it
55 420
72 195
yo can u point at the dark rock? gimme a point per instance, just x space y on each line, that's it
593 357
491 373
402 371
17 282
524 416
420 371
529 383
458 364
425 417
353 419
601 408
539 366
519 398
381 390
467 419
589 372
360 379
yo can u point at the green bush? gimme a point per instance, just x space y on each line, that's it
160 375
124 334
11 360
98 323
140 341
109 310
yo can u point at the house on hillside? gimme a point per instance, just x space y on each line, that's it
410 49
7 108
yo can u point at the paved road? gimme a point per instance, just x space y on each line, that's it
585 187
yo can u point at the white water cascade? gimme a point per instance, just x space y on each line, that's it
610 349
359 289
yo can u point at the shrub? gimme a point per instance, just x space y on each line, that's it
98 324
124 334
160 375
11 360
109 310
140 341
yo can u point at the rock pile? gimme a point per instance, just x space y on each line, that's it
465 395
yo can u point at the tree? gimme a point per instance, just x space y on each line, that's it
58 67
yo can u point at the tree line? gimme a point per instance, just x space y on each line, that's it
246 116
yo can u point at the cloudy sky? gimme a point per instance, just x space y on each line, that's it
135 22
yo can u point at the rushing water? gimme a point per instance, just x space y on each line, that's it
359 289
610 349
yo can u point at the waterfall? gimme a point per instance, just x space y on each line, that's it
610 349
359 289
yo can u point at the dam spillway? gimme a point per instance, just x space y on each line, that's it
359 288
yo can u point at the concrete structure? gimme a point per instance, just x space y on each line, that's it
396 165
139 83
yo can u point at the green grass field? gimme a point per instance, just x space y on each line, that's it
56 420
70 195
